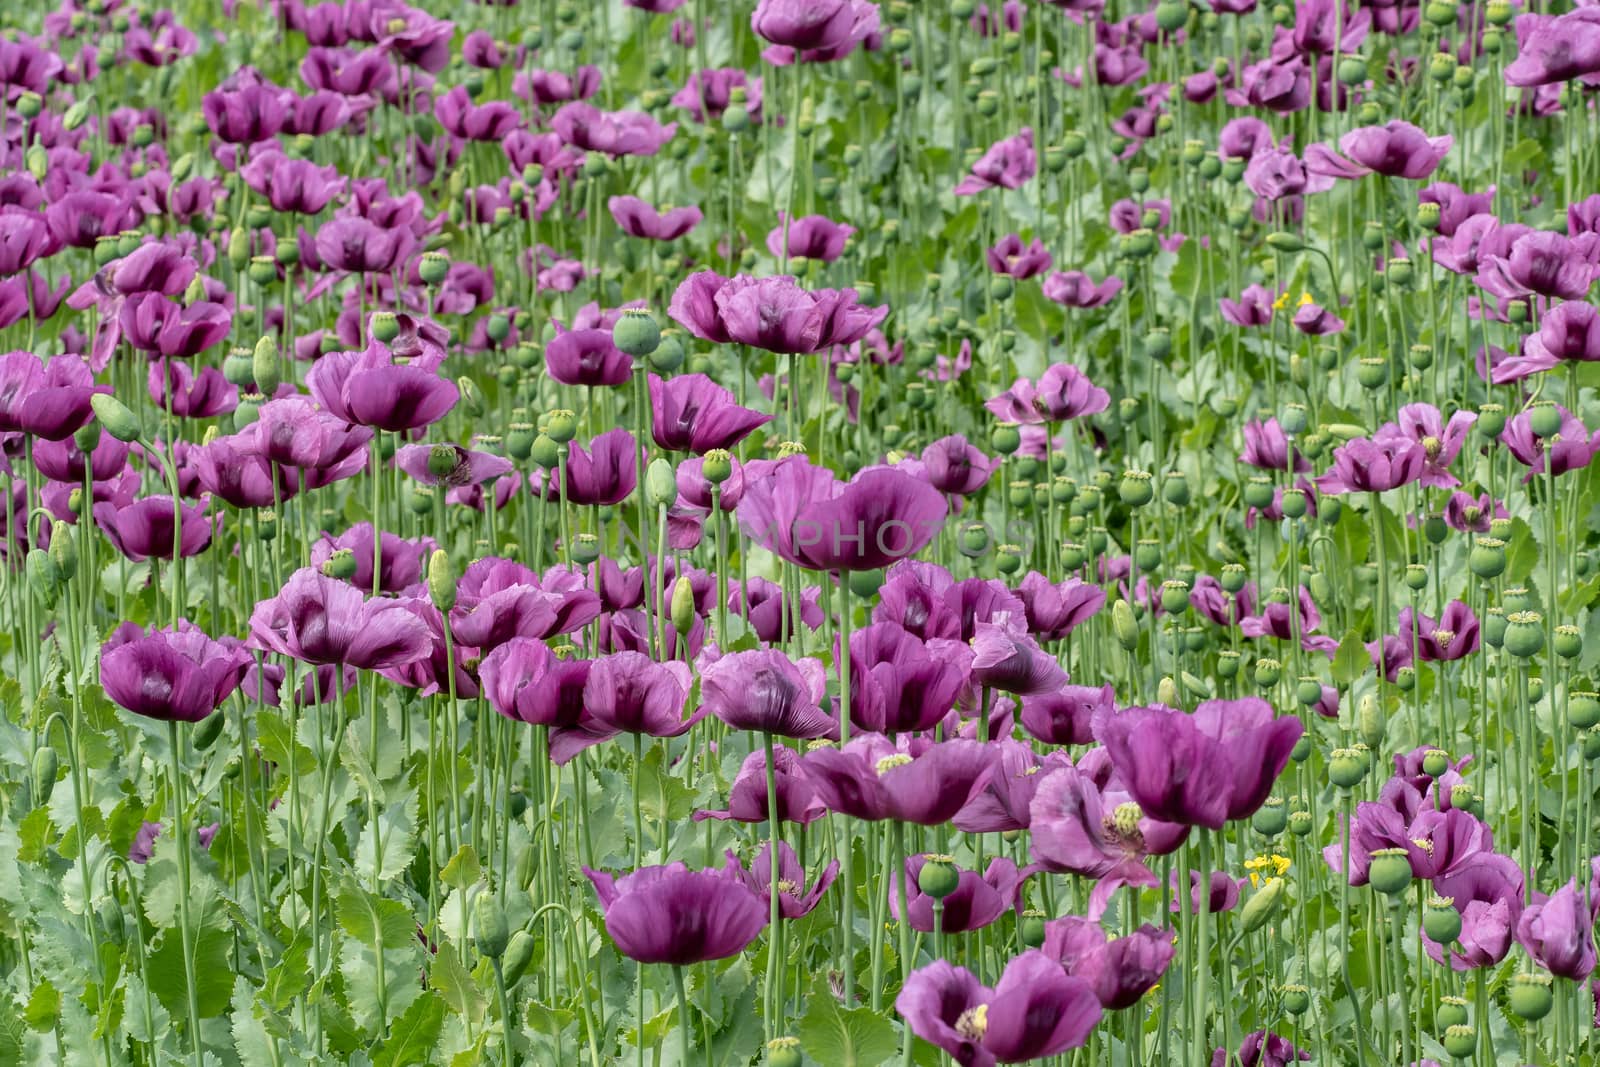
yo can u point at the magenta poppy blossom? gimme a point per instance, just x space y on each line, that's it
491 121
710 92
155 325
770 613
24 239
294 432
1253 308
1208 894
604 472
795 900
189 394
1007 164
1262 1048
820 30
766 691
1488 894
50 399
1571 449
1371 466
805 515
293 185
1064 392
674 915
615 133
1010 258
1005 657
638 219
1055 610
317 619
1005 802
747 798
954 465
400 561
1202 769
1568 332
1456 205
1065 716
460 466
1395 150
1317 321
361 246
921 782
1035 1011
1559 934
977 901
373 388
1535 263
1097 831
628 692
253 111
1075 289
588 358
1266 447
523 680
144 529
177 675
498 599
1120 970
899 683
809 237
1552 49
228 469
774 314
692 413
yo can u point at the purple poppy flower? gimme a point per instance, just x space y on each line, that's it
1317 321
1066 715
1220 891
154 267
616 133
1054 611
370 388
1569 331
975 903
293 185
1457 206
674 915
1006 802
498 599
1555 48
81 218
1277 174
627 692
153 324
1065 392
1010 258
1266 447
1099 832
24 239
1075 289
294 432
1121 971
459 466
1572 448
747 798
361 246
954 465
1453 636
588 358
803 514
1007 164
920 782
1370 466
804 26
899 683
252 111
1488 895
49 400
1242 138
1441 441
400 562
1253 308
1262 1049
1558 934
525 681
1201 769
770 613
317 619
144 529
711 92
638 219
1537 262
795 901
777 315
809 237
604 473
229 469
764 690
178 675
692 413
1005 657
176 387
491 121
1035 1011
1395 150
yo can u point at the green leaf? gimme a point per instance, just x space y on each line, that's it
1351 660
44 1007
1522 553
397 823
277 742
414 1034
13 1038
37 834
213 950
839 1037
662 796
369 918
454 983
250 1038
463 868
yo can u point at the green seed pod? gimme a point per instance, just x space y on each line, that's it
1260 908
1302 749
1268 672
489 927
1296 999
1300 823
1233 577
1174 489
1308 691
1390 871
518 954
585 549
1568 640
1175 597
660 483
1031 928
114 415
1524 633
1008 559
1442 923
1488 557
561 425
1583 709
938 877
637 333
1271 818
1258 492
1228 662
1135 489
1416 577
683 610
1347 767
1530 996
1124 626
209 729
784 1052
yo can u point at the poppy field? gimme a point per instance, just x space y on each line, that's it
809 533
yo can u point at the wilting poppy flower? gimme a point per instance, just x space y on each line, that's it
1120 971
317 619
177 675
919 782
1037 1010
1202 769
674 915
794 900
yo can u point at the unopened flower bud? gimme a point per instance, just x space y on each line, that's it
441 580
1124 626
1261 907
683 611
115 416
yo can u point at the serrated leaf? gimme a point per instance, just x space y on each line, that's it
455 984
212 950
369 918
463 868
661 795
251 1041
842 1037
277 742
395 824
44 1007
37 832
413 1035
1522 552
13 1035
355 760
1351 660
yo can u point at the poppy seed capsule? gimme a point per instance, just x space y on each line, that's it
1390 871
1591 746
1008 559
1488 557
1442 923
1228 662
1583 709
1135 489
1271 818
1347 767
1530 996
1524 633
783 1052
585 549
1174 596
340 565
1544 419
938 877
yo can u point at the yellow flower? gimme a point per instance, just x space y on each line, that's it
1279 865
1281 302
1305 298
